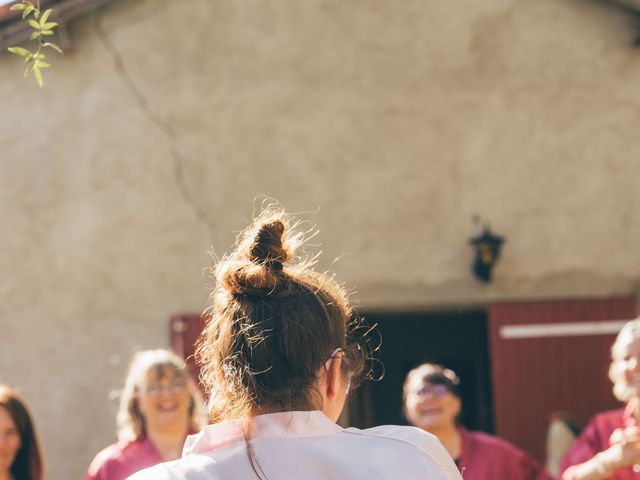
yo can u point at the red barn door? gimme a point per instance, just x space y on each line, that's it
184 330
548 357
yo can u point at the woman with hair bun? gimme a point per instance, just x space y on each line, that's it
159 407
609 446
20 455
279 354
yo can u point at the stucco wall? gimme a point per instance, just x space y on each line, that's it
390 122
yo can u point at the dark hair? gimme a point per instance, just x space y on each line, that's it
272 323
28 464
436 375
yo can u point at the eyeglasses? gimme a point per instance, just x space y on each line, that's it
437 390
177 386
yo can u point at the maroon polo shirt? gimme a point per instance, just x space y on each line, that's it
486 457
595 438
121 460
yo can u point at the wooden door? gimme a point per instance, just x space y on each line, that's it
548 357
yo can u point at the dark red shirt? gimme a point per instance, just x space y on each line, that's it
595 438
121 460
486 457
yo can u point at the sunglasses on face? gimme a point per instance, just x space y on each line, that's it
437 390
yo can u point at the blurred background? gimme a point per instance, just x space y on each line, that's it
388 125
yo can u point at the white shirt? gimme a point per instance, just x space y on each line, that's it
307 446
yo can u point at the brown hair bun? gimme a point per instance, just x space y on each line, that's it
256 267
267 248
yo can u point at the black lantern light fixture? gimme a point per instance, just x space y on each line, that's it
487 248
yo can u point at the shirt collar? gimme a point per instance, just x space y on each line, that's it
272 425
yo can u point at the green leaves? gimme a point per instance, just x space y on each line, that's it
27 8
45 15
41 28
54 46
23 52
38 75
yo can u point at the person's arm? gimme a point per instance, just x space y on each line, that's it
624 452
599 467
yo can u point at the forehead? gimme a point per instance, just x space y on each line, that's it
631 347
416 382
6 420
161 372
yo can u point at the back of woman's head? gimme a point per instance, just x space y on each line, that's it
273 322
28 463
131 422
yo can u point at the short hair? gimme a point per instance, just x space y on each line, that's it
272 323
29 462
629 332
130 421
434 374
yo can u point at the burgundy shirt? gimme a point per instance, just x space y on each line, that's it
123 459
595 438
486 457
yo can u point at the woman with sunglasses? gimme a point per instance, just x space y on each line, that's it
432 402
159 407
279 355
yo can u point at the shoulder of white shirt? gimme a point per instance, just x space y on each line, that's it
157 472
415 436
424 441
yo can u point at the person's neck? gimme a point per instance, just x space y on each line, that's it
168 441
451 440
5 475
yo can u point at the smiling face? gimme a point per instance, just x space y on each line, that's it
430 406
9 440
164 400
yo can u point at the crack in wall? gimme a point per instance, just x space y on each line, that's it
160 123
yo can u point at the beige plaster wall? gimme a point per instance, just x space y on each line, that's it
390 122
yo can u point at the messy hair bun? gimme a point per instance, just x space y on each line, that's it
273 321
256 267
267 247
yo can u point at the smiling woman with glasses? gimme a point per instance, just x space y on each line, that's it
159 407
432 402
